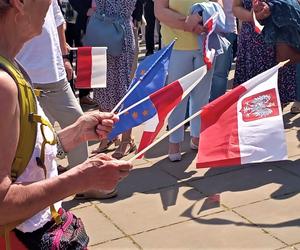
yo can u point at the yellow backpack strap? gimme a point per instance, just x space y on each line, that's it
27 138
28 127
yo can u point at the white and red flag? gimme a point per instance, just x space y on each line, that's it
165 100
208 54
91 67
244 126
257 26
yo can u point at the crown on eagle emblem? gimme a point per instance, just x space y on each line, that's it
259 106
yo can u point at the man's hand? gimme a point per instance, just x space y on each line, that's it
194 24
261 9
96 125
103 172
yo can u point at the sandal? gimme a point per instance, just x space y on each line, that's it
96 194
295 110
125 148
105 144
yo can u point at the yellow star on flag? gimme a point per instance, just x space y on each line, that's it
135 115
145 112
143 72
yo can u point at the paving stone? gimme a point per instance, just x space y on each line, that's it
250 184
71 204
219 231
162 207
293 143
143 179
123 244
297 247
98 227
291 248
280 217
292 165
291 121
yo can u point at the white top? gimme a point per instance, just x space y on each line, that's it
41 56
34 173
230 18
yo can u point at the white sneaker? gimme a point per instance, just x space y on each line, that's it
175 157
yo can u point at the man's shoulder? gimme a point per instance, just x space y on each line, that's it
8 89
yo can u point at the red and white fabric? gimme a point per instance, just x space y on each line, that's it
208 54
257 26
91 67
165 100
244 126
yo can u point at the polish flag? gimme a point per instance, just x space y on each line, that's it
244 126
165 100
91 67
208 55
257 26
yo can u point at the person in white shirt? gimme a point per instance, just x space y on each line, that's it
45 59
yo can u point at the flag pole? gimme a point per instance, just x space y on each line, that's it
133 105
139 81
164 136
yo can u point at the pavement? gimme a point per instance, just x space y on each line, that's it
165 205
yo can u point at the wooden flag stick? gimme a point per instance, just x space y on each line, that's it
164 136
283 63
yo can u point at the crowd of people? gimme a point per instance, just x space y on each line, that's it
37 90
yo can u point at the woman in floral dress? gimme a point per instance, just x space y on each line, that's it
254 56
118 68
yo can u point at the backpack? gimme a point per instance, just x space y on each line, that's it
29 120
28 127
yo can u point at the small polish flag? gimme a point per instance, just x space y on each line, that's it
91 67
208 55
244 126
165 100
257 26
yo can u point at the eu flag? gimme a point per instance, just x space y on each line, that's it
150 76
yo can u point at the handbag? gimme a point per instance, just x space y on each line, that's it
68 235
105 31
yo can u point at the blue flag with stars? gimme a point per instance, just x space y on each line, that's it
150 76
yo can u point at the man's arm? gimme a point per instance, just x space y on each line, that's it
167 16
30 197
240 12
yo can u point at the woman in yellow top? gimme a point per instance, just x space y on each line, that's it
186 57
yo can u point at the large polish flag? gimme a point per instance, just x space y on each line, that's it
165 100
244 126
91 67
